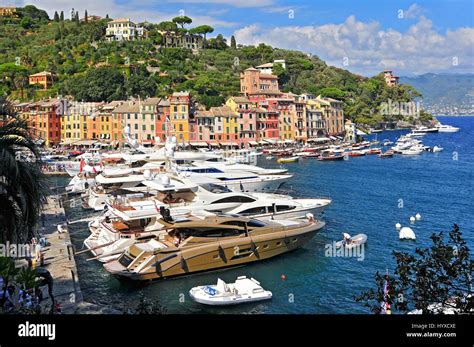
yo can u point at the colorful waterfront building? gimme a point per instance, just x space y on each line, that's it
333 116
182 117
218 126
162 119
298 112
247 119
283 106
315 125
75 122
104 121
267 125
128 115
47 120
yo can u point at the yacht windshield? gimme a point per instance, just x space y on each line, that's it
255 223
215 188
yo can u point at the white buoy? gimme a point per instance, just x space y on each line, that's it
407 233
412 219
418 216
398 226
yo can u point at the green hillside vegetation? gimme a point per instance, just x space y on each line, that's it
89 68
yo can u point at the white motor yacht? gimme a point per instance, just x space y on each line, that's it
446 128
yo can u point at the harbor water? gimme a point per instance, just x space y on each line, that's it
370 195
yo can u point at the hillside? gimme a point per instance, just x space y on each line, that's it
89 68
445 93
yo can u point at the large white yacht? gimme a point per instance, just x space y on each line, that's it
117 228
234 179
114 181
442 128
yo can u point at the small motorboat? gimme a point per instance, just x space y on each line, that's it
354 241
387 143
269 157
386 154
356 153
288 160
373 151
437 149
243 290
308 154
411 151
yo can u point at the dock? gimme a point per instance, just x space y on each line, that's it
60 262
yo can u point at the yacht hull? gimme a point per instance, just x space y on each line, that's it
218 255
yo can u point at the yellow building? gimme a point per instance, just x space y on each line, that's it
181 117
77 122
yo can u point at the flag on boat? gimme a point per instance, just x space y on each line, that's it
81 165
386 309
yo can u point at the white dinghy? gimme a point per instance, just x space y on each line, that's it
351 242
243 290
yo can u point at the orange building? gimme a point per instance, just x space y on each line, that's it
253 81
45 119
44 78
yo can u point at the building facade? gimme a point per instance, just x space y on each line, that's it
123 29
44 79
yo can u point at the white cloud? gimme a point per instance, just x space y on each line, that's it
413 11
370 49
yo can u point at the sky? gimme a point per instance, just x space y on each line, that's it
363 36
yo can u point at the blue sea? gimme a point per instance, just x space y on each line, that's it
370 195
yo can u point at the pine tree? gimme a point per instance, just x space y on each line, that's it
85 17
56 16
233 43
61 17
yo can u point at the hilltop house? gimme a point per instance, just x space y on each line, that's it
173 39
44 78
390 79
268 67
253 81
123 29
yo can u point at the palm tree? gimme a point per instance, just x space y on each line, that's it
22 184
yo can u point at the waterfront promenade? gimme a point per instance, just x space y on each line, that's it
59 261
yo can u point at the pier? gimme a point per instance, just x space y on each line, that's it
60 262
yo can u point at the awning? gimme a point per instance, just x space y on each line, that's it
67 141
318 139
360 132
270 140
288 141
333 138
85 142
199 144
228 144
253 143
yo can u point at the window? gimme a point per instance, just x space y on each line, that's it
255 210
230 199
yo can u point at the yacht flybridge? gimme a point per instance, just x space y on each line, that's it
194 243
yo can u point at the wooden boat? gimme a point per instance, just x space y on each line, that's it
288 160
242 291
387 154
